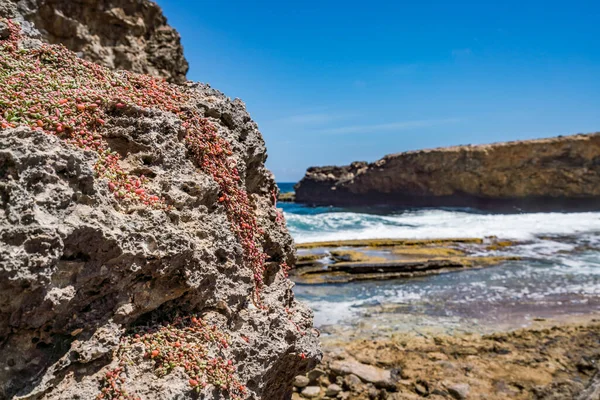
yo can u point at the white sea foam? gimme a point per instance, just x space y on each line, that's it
333 312
438 224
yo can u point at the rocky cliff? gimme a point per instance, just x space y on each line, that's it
141 255
556 173
119 34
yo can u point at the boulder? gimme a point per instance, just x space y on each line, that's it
117 237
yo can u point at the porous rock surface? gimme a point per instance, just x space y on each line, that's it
78 267
119 34
548 361
555 173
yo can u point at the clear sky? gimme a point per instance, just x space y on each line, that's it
330 82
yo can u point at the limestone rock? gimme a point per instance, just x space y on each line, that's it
311 392
532 374
351 381
592 391
4 31
544 174
301 381
367 373
315 374
459 391
333 390
120 34
78 267
372 392
421 389
344 395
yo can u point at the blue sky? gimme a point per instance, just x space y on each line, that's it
330 82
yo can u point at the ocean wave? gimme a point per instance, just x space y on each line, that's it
559 269
522 287
435 223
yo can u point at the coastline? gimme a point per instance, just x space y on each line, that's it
147 251
552 174
390 354
449 303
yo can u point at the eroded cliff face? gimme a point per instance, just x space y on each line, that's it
119 34
141 255
556 173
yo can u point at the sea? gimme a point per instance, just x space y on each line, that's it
557 276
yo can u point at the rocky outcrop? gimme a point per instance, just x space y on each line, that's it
549 362
288 197
562 172
141 255
120 34
333 262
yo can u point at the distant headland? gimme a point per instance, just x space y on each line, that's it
543 174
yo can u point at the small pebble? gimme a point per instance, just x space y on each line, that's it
301 381
333 390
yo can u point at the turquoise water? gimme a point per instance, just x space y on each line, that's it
286 187
558 275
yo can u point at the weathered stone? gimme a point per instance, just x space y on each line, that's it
323 381
315 374
459 391
120 34
379 377
311 392
4 31
397 396
373 393
344 395
351 381
555 173
592 391
525 372
439 392
421 389
79 267
301 381
333 390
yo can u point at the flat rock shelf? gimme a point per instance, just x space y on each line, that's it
381 259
